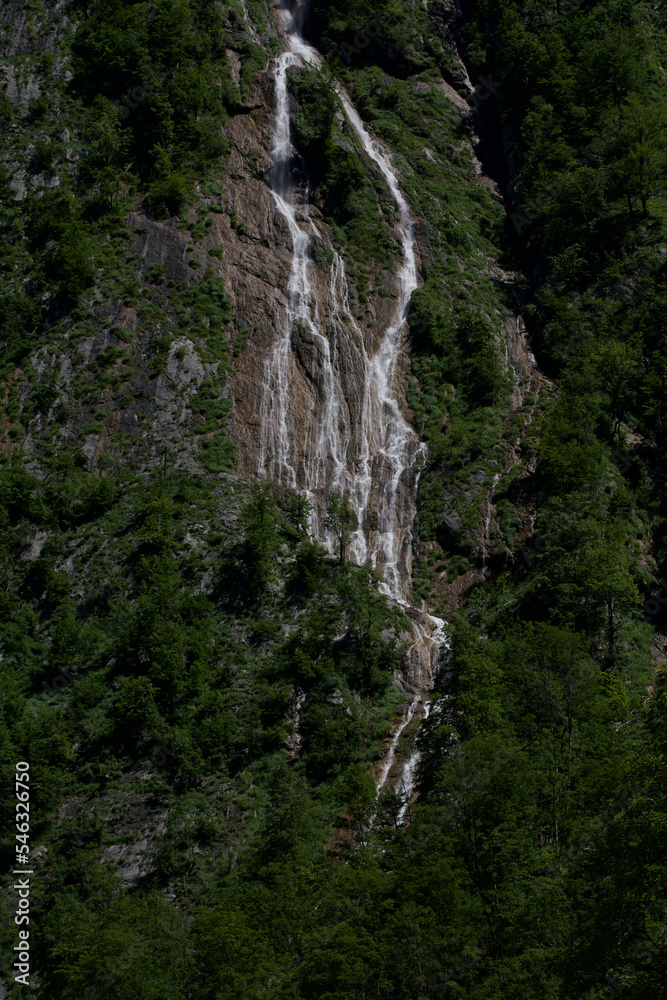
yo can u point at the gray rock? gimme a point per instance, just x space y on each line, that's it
453 523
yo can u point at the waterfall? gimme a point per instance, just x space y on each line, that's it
406 782
390 444
326 432
487 519
389 759
371 454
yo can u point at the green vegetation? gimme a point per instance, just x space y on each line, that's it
383 33
164 691
340 520
201 691
151 75
461 381
589 124
349 197
536 762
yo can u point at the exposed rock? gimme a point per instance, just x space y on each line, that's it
234 65
36 545
445 88
184 366
453 523
131 860
20 91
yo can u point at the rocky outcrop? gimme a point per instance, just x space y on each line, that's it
248 244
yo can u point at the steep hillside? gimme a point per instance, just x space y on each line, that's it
317 324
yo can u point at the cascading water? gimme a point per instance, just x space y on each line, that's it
406 782
487 519
322 458
389 759
377 465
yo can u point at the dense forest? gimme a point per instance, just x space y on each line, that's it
201 688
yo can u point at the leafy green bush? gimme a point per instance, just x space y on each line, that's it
218 454
156 273
209 403
350 202
170 195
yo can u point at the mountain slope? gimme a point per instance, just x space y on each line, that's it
204 692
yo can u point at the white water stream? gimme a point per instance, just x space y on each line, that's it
487 519
376 466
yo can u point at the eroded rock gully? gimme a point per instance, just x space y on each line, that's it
327 383
319 388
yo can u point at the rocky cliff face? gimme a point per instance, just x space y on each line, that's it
236 281
256 265
147 371
263 332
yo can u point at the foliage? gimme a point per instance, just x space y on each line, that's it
146 667
201 690
299 511
155 67
341 182
340 520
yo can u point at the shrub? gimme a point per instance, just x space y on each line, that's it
218 454
169 195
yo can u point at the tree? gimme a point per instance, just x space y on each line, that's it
260 521
234 958
614 65
299 512
136 947
340 520
108 150
157 521
570 453
613 368
486 379
637 151
358 797
588 566
73 263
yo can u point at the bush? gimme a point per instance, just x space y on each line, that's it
170 195
218 454
73 263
